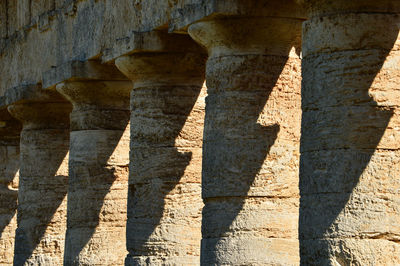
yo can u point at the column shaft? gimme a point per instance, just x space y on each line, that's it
164 204
43 182
9 175
350 157
98 167
251 141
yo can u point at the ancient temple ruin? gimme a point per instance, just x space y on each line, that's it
199 132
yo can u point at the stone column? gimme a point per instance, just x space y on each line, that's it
167 104
39 238
98 171
9 172
350 157
251 140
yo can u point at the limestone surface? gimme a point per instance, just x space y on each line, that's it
167 116
289 154
98 171
42 205
251 141
9 175
349 210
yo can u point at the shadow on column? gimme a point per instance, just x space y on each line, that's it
91 177
235 144
9 200
157 166
337 145
9 168
8 197
49 192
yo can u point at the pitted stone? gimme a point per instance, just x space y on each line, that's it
251 140
151 42
10 130
39 238
98 169
167 114
81 71
350 134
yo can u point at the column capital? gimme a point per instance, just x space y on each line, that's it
349 25
42 115
37 108
164 63
248 35
99 93
96 104
163 68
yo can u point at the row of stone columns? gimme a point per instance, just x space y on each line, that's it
244 166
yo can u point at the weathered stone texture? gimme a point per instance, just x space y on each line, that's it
251 141
9 178
3 19
43 181
97 197
38 7
167 115
87 29
98 172
166 171
211 172
9 166
349 211
23 13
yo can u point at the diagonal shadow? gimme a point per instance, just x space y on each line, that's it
337 144
157 166
92 173
8 197
8 170
41 192
235 144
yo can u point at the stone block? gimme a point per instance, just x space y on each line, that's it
186 12
245 250
377 251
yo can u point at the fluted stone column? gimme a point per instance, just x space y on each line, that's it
167 104
251 140
9 172
98 171
44 143
350 157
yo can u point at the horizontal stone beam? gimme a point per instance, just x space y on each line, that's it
151 42
186 14
85 30
80 71
29 93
